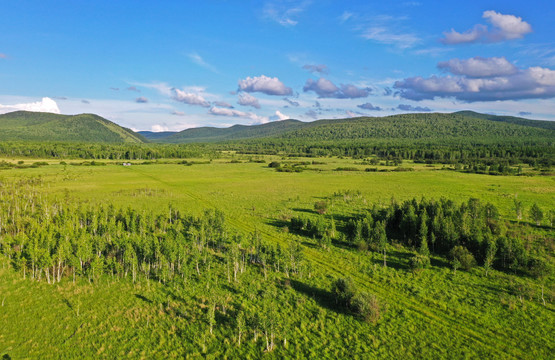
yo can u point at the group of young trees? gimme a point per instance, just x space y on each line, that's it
468 234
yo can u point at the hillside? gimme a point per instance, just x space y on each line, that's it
35 126
235 132
435 126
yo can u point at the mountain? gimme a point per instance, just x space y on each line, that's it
235 132
153 135
36 126
511 119
429 126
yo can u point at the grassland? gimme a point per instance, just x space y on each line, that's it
433 313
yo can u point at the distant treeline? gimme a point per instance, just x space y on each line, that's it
495 158
73 150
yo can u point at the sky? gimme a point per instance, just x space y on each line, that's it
172 65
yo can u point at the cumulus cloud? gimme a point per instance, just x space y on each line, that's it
45 105
291 102
223 104
405 107
326 89
248 100
504 27
368 106
530 83
524 113
264 84
236 113
133 88
189 98
158 128
178 113
281 116
141 100
320 69
85 101
477 67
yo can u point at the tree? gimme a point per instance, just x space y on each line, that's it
461 256
380 238
343 290
536 214
241 325
518 209
491 251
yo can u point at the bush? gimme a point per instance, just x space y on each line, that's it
461 255
419 261
366 306
321 207
274 164
343 290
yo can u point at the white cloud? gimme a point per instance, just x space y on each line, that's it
504 27
281 116
283 13
236 113
197 59
479 67
503 83
223 104
158 128
141 100
510 26
189 98
248 100
384 35
45 105
326 89
264 84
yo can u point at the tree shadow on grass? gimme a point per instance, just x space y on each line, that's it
138 296
323 297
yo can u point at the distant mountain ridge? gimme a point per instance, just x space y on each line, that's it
31 126
36 126
404 126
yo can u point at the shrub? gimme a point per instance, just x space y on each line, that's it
419 261
274 164
343 290
321 207
366 306
461 255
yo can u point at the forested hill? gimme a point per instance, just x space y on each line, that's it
235 132
36 126
434 126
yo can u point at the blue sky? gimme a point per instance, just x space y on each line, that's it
171 65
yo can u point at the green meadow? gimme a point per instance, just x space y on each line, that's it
435 312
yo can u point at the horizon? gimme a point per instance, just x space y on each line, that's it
176 67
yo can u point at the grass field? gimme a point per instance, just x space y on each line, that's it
429 314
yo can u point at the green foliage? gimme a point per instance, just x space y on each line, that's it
419 262
536 214
462 257
321 207
31 126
